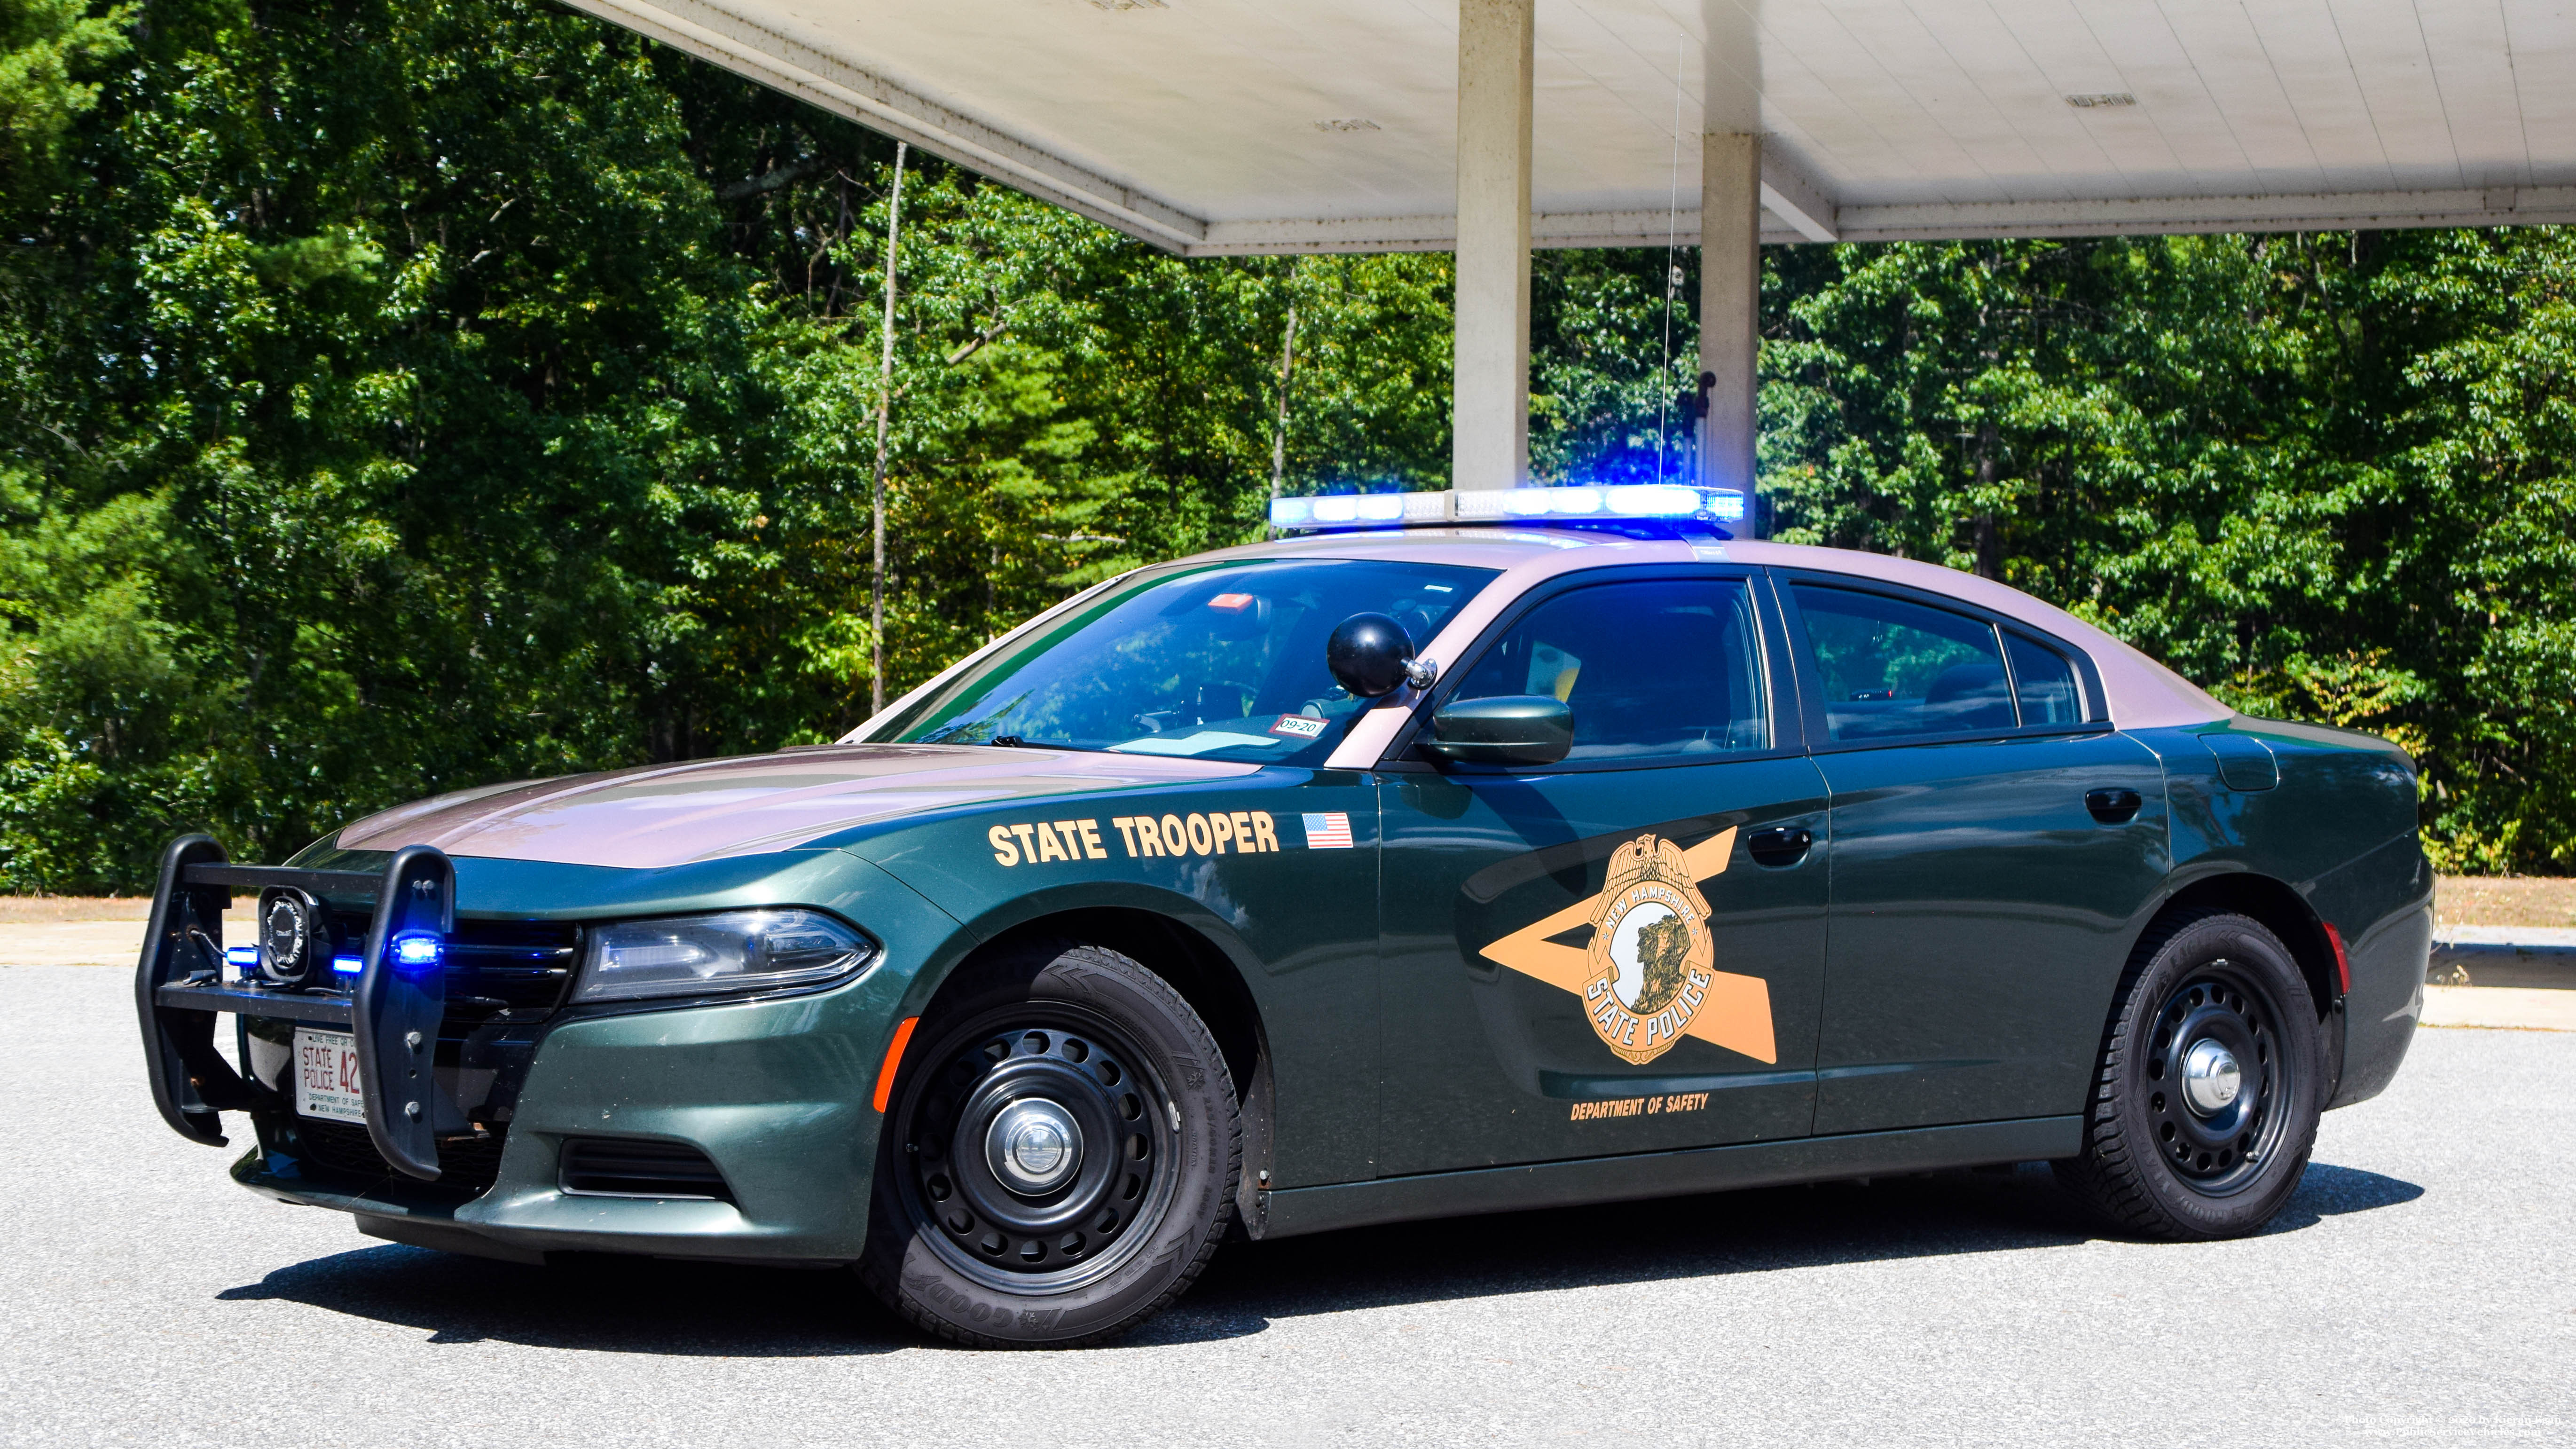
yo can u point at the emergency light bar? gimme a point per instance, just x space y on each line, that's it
1618 502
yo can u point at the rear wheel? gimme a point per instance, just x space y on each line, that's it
2205 1108
1058 1156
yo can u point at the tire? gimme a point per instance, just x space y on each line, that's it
1105 1144
2164 1156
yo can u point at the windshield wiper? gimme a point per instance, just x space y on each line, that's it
1022 742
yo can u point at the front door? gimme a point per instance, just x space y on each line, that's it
1622 952
1996 852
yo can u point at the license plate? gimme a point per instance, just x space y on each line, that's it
326 1076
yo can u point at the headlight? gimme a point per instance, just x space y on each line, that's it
730 951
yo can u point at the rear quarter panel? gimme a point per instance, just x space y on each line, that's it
2340 830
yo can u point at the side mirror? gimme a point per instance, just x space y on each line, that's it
1508 729
1371 655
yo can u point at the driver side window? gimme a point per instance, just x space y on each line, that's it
1655 671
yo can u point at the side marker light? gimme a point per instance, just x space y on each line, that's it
2343 963
894 1059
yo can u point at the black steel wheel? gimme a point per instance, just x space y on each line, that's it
1037 1142
1058 1153
2206 1105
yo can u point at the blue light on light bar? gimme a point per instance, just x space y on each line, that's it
1655 500
347 965
1359 510
1498 505
415 950
245 957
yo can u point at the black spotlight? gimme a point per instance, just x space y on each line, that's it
294 939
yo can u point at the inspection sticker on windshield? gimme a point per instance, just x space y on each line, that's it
1298 726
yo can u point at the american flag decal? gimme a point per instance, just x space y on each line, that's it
1328 832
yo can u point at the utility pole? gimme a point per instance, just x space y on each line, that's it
885 404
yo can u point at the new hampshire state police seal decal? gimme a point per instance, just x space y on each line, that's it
1651 957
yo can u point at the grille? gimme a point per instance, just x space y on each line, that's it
468 1164
635 1167
518 967
508 971
506 974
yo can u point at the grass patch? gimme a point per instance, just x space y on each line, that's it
2460 900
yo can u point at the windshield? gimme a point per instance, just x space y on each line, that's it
1217 661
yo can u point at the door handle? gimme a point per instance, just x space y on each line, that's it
2113 807
1781 845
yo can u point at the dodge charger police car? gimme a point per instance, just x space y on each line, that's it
1451 854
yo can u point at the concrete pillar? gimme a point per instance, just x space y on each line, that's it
1489 410
1730 306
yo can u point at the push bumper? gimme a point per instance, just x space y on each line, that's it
391 1012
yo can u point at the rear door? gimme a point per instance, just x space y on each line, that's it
1621 952
1996 850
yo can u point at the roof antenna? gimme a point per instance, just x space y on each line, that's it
1672 271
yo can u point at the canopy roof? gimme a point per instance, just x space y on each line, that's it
1229 126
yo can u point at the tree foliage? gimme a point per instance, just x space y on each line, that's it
395 397
2328 476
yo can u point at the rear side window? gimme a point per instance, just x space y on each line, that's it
1654 671
1893 670
2043 683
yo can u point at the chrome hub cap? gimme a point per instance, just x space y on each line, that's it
1033 1145
2210 1078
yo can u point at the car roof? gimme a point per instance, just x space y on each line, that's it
2141 693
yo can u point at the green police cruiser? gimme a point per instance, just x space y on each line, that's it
1454 853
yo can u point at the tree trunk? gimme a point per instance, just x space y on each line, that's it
876 491
1287 374
1989 530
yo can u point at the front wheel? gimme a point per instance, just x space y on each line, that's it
1059 1153
2205 1107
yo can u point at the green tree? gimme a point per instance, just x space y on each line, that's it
2326 475
411 396
47 49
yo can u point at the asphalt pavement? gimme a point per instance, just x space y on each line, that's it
2421 1288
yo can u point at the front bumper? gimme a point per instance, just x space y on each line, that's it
776 1094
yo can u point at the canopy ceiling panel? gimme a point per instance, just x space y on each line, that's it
1228 126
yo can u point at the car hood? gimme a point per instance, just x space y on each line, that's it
665 815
